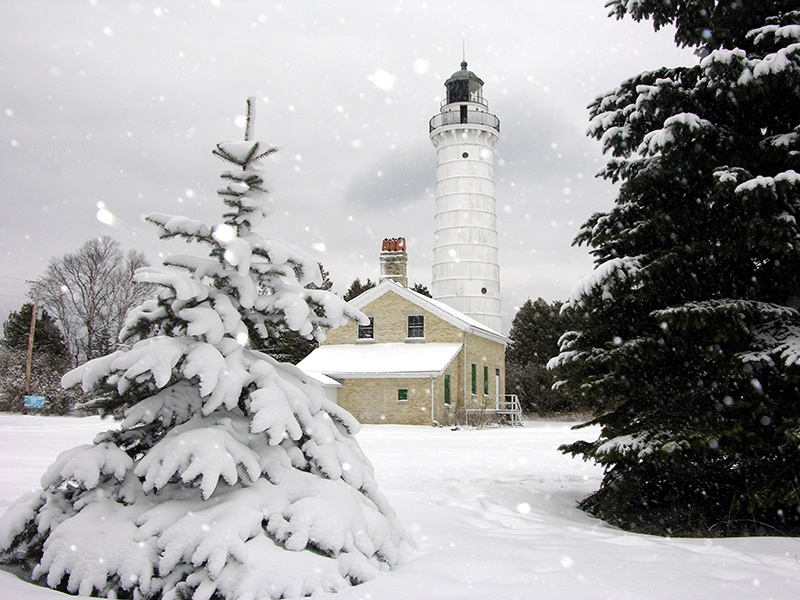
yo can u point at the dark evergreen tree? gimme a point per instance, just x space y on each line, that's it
47 337
357 288
46 372
534 332
421 289
533 341
49 361
232 475
326 284
690 352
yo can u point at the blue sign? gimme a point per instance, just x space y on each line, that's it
33 401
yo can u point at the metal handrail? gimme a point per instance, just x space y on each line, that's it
473 117
510 403
473 100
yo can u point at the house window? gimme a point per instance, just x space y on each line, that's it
485 380
402 395
367 332
416 326
447 390
474 379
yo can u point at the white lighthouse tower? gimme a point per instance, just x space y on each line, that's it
466 273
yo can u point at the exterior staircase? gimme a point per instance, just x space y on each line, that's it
510 408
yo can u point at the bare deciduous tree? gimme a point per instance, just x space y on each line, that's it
90 291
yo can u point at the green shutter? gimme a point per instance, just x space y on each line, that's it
485 380
447 390
474 378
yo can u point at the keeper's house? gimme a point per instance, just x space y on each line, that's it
418 362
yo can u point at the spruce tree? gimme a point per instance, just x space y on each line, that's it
50 359
47 338
690 352
533 340
357 288
421 289
232 475
290 346
534 332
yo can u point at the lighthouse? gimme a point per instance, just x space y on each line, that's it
466 271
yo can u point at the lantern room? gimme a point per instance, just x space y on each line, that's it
464 86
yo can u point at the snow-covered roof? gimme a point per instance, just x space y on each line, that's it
440 309
346 361
323 379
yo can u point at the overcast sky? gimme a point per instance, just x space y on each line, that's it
117 105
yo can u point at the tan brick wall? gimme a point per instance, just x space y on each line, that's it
391 313
479 352
374 400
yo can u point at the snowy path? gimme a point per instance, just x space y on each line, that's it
493 515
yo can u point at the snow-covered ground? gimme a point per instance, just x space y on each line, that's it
493 516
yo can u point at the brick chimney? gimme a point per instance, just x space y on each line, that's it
394 261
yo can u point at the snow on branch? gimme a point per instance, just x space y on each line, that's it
778 342
204 448
171 406
604 279
782 60
95 546
774 32
198 267
789 178
774 327
729 306
282 253
176 225
679 124
86 465
567 353
184 285
736 65
237 251
243 153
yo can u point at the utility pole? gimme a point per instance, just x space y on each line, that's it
30 339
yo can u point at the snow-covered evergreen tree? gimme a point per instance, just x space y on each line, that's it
231 475
690 352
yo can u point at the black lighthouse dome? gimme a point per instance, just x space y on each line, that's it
464 86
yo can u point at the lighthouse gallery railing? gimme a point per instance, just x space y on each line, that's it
474 117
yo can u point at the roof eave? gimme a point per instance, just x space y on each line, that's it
489 335
389 375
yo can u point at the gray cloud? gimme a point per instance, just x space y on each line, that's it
397 178
121 103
